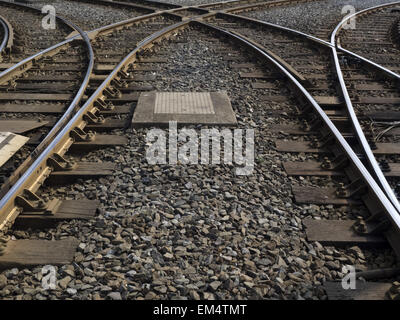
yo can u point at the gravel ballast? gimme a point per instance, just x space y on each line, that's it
311 16
89 16
190 2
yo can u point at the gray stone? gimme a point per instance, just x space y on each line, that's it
114 296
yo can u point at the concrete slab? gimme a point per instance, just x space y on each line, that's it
159 108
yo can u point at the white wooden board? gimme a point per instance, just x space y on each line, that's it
10 143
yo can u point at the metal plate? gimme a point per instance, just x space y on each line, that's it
159 108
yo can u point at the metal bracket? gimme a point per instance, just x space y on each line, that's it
103 105
12 85
125 75
311 125
384 166
3 244
81 136
48 59
366 227
326 140
112 92
30 201
59 163
50 210
338 163
351 190
91 118
119 84
394 291
360 226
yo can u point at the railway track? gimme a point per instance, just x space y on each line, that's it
28 36
328 124
379 45
305 194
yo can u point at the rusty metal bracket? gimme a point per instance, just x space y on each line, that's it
119 84
103 105
91 118
48 59
59 163
51 209
30 201
81 136
112 92
125 75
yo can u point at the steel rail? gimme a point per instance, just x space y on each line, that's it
374 166
389 73
5 34
272 3
39 170
117 3
150 2
25 177
372 163
75 102
359 13
21 66
73 105
142 45
320 41
376 190
71 108
160 3
207 5
10 30
335 41
85 82
225 13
